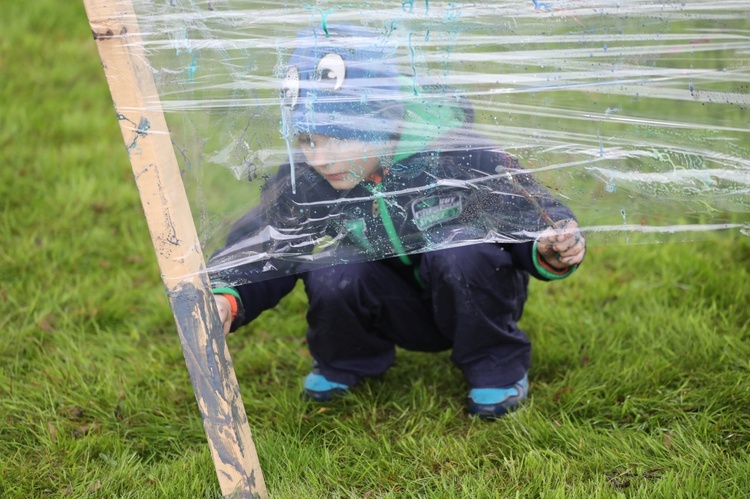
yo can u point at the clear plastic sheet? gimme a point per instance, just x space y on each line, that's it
324 133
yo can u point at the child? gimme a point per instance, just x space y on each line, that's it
380 176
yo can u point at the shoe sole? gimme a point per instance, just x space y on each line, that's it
325 396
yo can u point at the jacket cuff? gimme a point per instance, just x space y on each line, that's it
238 318
546 270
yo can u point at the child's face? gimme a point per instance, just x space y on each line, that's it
344 163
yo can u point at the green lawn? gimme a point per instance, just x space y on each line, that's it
640 383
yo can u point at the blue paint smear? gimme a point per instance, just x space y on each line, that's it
141 131
324 20
410 4
541 6
323 17
193 66
122 117
413 69
453 12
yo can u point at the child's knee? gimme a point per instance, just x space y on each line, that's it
339 282
467 264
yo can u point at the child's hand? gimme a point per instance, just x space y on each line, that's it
225 312
562 246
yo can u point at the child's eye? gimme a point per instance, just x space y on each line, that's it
332 70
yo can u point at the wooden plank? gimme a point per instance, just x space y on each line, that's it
144 130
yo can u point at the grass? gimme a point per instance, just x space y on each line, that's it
641 377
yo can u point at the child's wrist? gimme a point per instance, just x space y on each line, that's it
545 269
226 291
233 298
232 305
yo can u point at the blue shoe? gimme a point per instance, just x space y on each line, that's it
319 389
491 403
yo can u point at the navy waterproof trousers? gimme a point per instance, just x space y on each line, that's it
469 300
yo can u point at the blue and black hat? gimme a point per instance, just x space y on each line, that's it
343 82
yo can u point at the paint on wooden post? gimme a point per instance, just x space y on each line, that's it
177 246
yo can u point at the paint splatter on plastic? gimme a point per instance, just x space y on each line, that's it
625 111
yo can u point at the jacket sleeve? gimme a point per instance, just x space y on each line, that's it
243 267
525 254
526 257
520 182
255 297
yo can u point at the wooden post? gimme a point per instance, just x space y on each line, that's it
178 250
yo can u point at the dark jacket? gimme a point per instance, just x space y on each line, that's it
454 198
454 191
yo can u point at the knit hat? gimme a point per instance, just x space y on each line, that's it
342 81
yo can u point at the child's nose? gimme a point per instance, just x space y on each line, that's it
317 156
319 153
